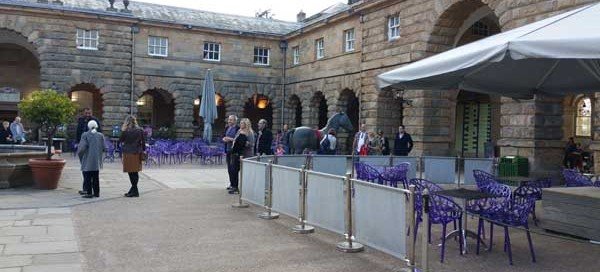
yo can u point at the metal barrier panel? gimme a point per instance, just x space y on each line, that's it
380 217
485 164
286 185
412 170
375 160
294 161
254 182
325 201
440 170
335 165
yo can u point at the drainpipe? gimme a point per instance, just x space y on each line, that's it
134 30
283 45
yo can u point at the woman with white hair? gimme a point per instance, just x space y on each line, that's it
90 151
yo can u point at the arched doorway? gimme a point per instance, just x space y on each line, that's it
86 95
294 107
219 123
475 125
19 70
319 108
348 103
258 107
156 108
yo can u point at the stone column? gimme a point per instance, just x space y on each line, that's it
533 129
595 144
430 121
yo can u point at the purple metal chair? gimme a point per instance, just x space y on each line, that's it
393 175
443 211
484 179
109 152
420 186
575 179
529 190
514 214
368 173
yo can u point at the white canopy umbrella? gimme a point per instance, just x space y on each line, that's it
557 55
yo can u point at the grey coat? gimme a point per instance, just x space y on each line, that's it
90 151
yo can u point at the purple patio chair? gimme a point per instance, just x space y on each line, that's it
370 173
514 213
575 179
360 172
394 175
109 152
483 179
420 186
529 190
443 211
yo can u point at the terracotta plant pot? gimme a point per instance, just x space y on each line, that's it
46 173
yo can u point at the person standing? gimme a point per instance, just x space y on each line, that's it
264 139
403 143
328 144
5 134
90 152
285 138
373 144
360 140
82 127
384 143
230 132
133 146
18 131
242 146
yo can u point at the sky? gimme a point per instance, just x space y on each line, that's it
281 9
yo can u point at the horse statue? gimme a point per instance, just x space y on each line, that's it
302 138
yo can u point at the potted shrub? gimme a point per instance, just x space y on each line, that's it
49 110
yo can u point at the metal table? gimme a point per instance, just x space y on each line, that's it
465 195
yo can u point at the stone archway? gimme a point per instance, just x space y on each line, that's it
294 111
348 102
20 69
258 107
319 109
156 108
218 124
86 95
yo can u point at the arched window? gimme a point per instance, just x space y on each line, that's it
583 120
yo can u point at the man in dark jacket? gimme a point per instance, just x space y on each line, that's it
264 139
403 143
82 123
82 126
230 133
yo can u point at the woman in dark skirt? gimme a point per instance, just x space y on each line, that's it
133 146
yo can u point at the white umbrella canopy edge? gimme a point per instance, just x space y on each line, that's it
454 69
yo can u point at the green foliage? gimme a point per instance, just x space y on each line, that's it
48 109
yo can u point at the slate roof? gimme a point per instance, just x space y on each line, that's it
170 14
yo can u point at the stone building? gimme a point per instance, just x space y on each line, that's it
150 60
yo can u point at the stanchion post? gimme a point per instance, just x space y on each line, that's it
412 221
420 168
269 214
460 169
302 228
240 203
349 246
424 242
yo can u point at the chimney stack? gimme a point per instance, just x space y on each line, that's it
301 16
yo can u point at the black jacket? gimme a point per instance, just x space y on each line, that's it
385 146
263 142
83 127
239 145
5 133
402 146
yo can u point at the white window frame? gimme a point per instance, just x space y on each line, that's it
152 43
320 48
296 55
213 49
393 27
89 36
259 54
349 40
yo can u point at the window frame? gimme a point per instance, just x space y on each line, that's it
349 41
320 50
258 56
158 46
579 117
206 52
396 26
296 55
91 38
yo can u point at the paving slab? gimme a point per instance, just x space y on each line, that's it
13 269
15 261
60 258
41 248
29 230
53 268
